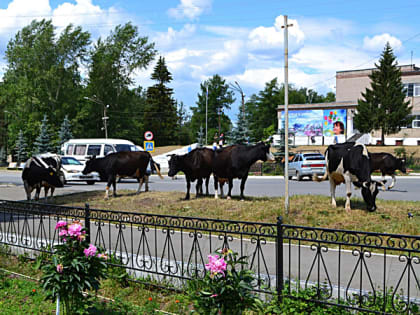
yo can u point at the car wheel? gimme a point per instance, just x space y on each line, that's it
90 182
290 177
62 179
298 176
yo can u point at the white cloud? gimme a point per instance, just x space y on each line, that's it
20 13
263 40
377 42
172 38
326 28
190 9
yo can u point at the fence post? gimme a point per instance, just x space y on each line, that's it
87 221
279 259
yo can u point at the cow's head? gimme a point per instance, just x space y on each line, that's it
401 165
369 192
52 177
264 153
90 165
174 165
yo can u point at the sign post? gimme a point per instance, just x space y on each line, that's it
148 135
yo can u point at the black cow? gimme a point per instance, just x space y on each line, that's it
350 163
41 171
387 164
196 165
235 161
131 164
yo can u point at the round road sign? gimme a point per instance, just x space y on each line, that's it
148 135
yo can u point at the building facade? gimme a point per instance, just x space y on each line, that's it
319 123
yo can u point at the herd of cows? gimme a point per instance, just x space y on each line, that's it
348 163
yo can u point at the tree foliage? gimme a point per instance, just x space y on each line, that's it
220 97
21 148
43 141
64 133
383 105
160 115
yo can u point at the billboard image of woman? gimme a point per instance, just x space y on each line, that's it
334 122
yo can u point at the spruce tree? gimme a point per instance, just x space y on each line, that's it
42 142
3 156
240 134
160 114
383 105
64 133
21 148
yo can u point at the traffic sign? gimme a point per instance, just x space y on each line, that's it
149 146
148 135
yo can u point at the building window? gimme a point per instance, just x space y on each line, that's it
416 121
412 89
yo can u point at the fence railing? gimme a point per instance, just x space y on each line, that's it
357 270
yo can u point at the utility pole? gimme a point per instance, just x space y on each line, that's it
104 117
207 99
286 116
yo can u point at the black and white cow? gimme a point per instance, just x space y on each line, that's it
350 163
42 171
387 164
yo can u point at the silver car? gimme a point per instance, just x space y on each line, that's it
307 164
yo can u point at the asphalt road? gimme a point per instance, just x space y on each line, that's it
406 188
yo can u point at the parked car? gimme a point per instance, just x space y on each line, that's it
307 164
71 171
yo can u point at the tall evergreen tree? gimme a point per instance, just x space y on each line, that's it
383 105
240 134
21 148
64 133
43 141
160 114
219 98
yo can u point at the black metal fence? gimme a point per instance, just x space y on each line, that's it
357 270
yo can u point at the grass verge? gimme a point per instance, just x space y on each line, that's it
307 210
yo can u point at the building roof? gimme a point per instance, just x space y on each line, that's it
332 105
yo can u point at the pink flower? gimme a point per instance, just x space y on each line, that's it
63 232
59 268
103 256
60 224
216 265
75 229
90 251
214 295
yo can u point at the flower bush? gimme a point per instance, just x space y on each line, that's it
226 287
75 266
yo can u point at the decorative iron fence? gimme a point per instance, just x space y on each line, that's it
370 272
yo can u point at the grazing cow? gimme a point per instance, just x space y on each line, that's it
350 163
125 163
41 171
235 161
387 164
196 164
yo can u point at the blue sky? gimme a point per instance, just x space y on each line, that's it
241 40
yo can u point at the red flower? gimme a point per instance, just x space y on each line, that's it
33 290
150 298
176 301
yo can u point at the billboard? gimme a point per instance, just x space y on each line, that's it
306 122
334 122
318 122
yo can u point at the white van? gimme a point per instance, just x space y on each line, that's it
82 149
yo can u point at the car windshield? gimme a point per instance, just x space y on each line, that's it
70 161
125 147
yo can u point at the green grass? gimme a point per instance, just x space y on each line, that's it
307 210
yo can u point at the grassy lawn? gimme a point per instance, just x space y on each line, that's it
308 210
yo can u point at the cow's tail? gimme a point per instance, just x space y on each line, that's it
156 168
315 177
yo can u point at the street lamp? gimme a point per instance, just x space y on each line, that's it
104 117
238 88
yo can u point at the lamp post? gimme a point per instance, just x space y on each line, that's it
104 117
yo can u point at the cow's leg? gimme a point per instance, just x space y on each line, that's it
52 191
207 185
114 186
229 196
187 196
332 192
146 182
347 180
384 181
46 189
392 183
199 187
222 184
111 180
37 192
28 190
141 181
243 186
216 182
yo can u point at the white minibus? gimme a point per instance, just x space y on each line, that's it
82 149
